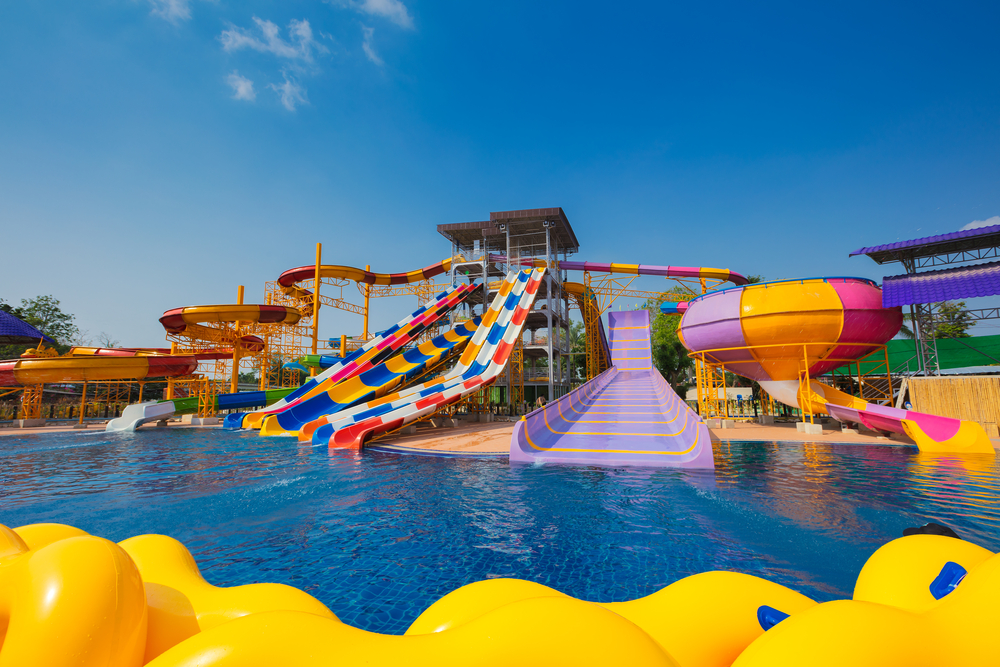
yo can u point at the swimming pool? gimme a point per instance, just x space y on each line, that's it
378 537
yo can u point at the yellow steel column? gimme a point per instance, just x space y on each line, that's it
83 401
235 379
315 327
367 291
805 391
725 393
343 346
169 394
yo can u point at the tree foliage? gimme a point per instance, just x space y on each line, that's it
578 352
670 357
951 320
43 313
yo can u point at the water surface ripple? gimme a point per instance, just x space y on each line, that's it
378 537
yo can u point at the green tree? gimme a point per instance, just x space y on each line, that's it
669 355
43 313
756 278
950 321
578 352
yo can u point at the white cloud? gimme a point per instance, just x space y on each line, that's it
242 87
291 93
393 10
988 222
299 46
367 46
174 11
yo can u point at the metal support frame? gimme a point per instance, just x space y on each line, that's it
207 392
31 401
922 318
710 375
516 364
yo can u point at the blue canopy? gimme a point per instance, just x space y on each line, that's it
18 332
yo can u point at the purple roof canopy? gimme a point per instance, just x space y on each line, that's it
18 332
932 286
970 239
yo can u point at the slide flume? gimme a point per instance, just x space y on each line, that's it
483 360
634 269
372 353
290 279
372 383
627 415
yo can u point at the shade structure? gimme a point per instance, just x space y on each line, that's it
774 331
15 331
963 282
928 246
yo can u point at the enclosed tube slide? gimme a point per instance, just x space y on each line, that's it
290 279
483 360
634 269
628 415
375 382
776 332
372 353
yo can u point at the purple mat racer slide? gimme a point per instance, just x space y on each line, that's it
627 415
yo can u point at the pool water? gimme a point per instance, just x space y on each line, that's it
378 537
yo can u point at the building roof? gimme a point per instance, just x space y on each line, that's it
963 282
465 234
14 331
526 228
527 224
953 242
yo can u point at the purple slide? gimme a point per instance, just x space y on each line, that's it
627 415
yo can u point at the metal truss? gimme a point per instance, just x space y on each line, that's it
959 257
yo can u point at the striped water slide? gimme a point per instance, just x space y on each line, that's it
375 382
483 360
627 415
372 353
633 269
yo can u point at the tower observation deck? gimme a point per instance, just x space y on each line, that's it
540 233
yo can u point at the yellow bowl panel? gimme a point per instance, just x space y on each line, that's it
795 313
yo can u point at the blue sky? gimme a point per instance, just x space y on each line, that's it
156 153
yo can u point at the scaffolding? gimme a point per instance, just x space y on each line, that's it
288 344
31 402
872 384
517 373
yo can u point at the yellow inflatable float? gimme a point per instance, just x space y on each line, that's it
68 598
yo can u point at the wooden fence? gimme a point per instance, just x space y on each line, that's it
972 398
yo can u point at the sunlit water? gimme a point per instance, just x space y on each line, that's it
378 537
